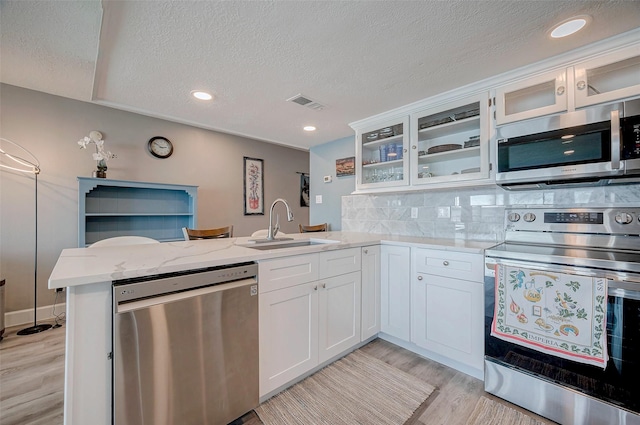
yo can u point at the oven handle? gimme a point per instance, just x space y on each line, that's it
615 287
622 289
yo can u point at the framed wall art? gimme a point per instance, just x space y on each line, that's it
345 166
253 186
304 190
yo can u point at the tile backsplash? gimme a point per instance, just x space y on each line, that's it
473 213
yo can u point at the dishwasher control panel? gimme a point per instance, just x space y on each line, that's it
128 290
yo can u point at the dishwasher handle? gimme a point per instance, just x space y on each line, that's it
123 307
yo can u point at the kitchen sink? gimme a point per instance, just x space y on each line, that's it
264 246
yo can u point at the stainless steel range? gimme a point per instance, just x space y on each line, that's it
544 319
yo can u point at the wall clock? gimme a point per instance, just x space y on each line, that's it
160 147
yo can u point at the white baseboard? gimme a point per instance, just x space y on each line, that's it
44 313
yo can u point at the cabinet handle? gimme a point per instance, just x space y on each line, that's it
366 251
404 150
560 91
315 288
581 85
419 277
445 263
324 285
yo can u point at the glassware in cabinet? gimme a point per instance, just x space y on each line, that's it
451 143
381 156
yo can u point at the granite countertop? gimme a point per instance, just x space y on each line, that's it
84 266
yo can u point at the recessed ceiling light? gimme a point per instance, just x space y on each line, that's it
309 128
202 95
568 27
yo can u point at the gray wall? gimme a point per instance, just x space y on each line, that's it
322 162
50 126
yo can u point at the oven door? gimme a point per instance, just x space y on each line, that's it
617 384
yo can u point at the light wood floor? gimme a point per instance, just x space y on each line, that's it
32 381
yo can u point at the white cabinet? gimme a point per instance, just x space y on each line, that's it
382 154
395 287
608 78
288 334
339 314
450 143
307 316
604 78
447 301
543 94
370 309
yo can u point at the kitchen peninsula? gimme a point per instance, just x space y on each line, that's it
87 275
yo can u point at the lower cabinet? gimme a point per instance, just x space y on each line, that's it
309 320
395 291
339 314
370 322
288 334
447 305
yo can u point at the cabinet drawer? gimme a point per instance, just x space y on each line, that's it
285 272
457 265
341 261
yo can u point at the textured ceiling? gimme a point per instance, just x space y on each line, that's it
360 58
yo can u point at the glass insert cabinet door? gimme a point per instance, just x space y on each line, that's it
382 154
450 143
608 78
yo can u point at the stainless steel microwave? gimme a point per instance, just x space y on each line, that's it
597 145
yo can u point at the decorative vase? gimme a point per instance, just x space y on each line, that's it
101 172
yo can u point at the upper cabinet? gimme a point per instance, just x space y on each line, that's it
450 143
381 154
608 78
540 95
434 146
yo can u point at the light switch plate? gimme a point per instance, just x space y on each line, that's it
414 212
318 199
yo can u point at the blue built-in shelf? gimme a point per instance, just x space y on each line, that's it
109 208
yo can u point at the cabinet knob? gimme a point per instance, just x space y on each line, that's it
404 150
445 263
419 277
560 91
315 287
581 85
366 251
414 147
324 285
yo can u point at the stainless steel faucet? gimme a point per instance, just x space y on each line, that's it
273 230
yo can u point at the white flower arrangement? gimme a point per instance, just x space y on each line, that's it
100 154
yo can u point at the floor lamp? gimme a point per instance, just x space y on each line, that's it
31 168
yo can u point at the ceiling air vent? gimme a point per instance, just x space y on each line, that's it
303 100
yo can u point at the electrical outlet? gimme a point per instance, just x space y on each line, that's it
318 199
444 212
414 212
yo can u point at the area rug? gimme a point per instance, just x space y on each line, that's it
489 412
357 389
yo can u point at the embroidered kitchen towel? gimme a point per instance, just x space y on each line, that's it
556 313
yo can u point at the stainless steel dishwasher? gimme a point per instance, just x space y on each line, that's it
186 347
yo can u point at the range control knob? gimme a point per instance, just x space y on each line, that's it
623 218
529 217
513 217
